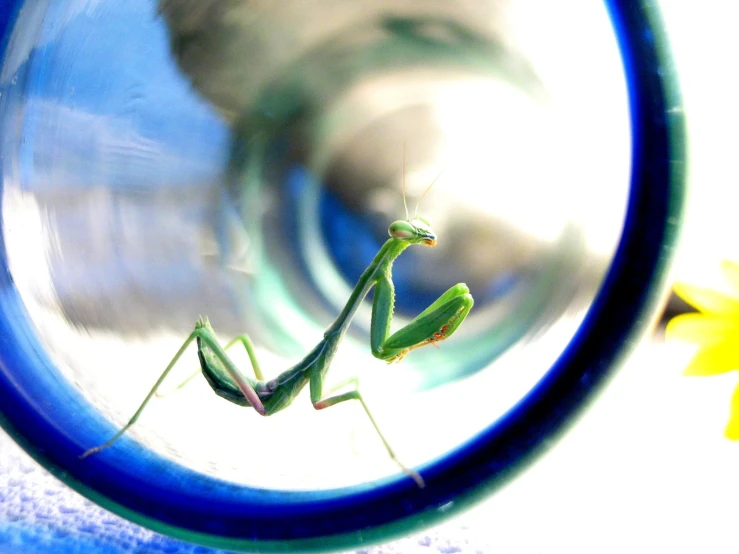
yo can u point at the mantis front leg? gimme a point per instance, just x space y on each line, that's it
436 323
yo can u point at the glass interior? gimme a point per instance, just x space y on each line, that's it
251 179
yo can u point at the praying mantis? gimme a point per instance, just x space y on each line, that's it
433 325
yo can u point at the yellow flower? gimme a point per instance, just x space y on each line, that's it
715 329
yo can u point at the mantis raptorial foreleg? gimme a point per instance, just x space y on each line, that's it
435 324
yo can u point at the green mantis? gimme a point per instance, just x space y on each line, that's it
433 325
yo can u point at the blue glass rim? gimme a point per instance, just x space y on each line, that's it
166 497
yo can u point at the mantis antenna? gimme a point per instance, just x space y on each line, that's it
405 204
415 214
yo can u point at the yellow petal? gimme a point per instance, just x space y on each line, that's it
714 359
707 301
731 273
702 329
732 427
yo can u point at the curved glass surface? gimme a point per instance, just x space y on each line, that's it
153 172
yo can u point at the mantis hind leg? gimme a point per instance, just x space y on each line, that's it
248 346
153 390
323 403
204 332
433 325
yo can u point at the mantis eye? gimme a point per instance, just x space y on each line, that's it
401 230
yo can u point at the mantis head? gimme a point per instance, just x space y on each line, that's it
416 231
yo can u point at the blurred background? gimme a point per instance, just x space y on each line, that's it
646 469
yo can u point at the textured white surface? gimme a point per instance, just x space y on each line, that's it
646 470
